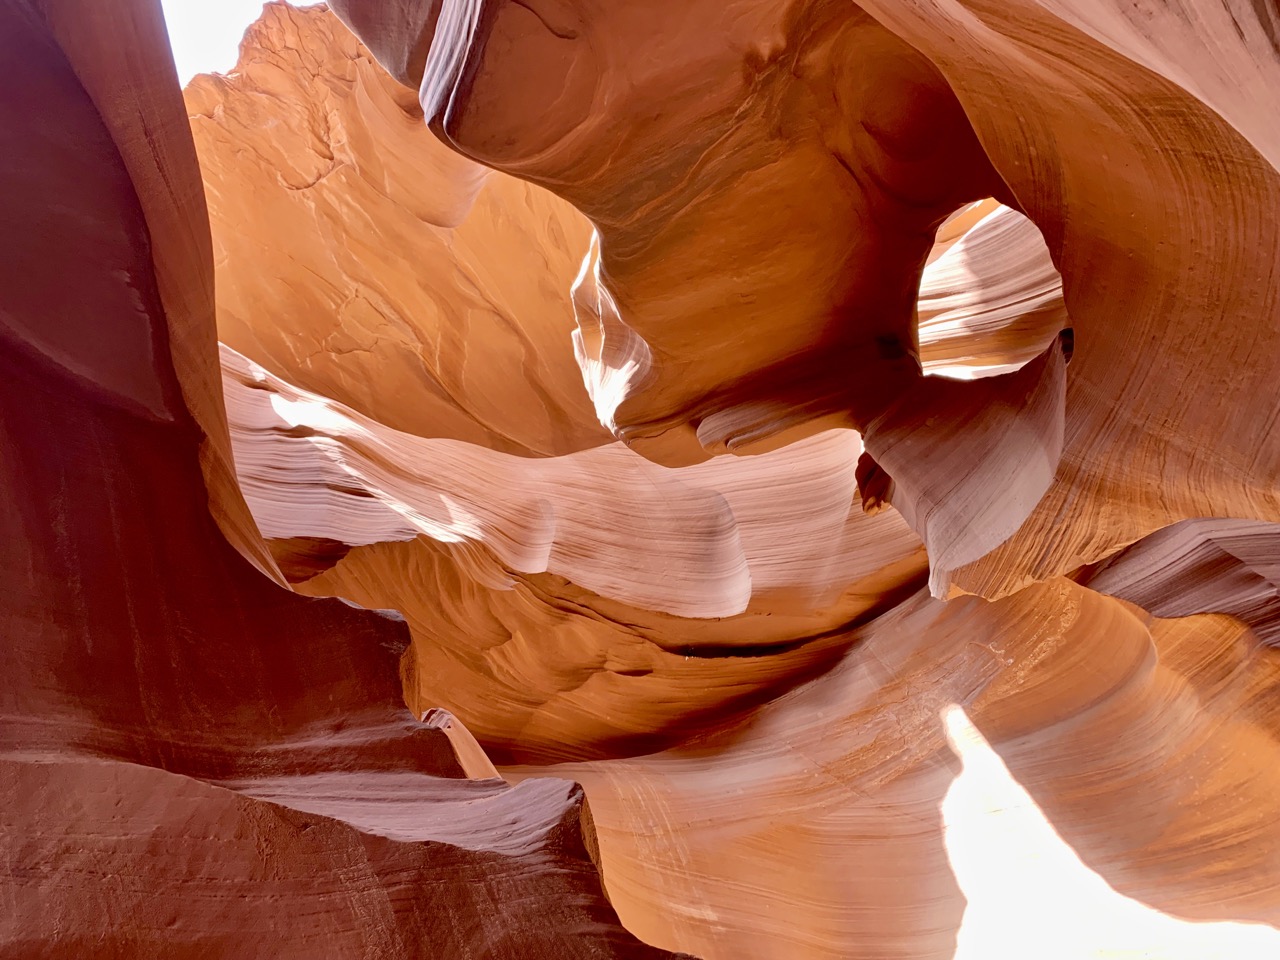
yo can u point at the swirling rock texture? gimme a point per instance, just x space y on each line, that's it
442 315
823 457
197 762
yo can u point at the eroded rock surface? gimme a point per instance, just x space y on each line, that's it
197 762
445 314
835 442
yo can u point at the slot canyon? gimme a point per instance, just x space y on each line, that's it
573 479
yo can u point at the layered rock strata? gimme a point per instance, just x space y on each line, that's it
195 761
837 442
854 132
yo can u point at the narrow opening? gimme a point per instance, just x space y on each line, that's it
990 297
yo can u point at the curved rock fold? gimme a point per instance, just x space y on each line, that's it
787 481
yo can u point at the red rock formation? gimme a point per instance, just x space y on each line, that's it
993 676
768 132
666 303
818 828
489 556
1158 215
432 320
143 655
1199 566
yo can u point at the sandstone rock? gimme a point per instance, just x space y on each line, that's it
854 133
445 313
967 649
1200 566
489 556
144 655
825 825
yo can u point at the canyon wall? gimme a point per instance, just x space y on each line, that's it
555 479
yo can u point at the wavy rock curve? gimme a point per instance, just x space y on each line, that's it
841 438
148 666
